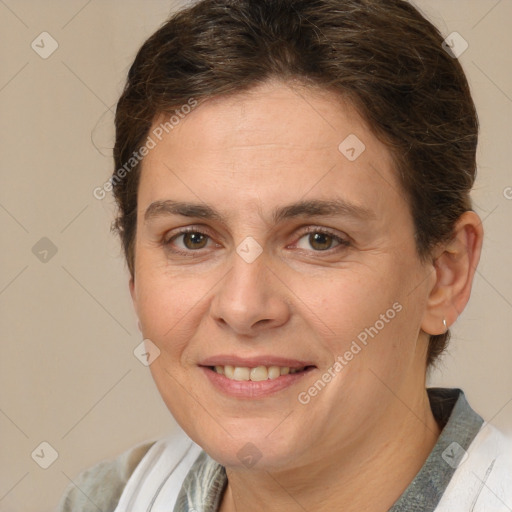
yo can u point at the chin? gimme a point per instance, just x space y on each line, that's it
253 449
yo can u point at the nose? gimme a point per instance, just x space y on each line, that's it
251 298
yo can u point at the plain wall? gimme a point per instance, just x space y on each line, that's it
68 373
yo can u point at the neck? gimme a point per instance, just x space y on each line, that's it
371 477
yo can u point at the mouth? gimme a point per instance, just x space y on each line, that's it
257 380
256 373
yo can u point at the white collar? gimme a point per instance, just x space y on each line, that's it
157 480
482 481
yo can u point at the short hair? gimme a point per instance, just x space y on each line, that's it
382 56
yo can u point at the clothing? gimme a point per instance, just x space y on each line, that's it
469 469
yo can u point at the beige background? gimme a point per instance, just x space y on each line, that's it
68 373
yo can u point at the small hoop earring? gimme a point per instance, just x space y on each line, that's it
444 323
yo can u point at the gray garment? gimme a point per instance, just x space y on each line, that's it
100 487
461 425
205 483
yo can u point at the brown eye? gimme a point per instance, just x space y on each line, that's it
320 241
194 240
187 242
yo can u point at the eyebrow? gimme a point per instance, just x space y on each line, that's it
311 208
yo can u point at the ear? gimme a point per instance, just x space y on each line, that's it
455 265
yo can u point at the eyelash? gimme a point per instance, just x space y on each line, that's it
343 243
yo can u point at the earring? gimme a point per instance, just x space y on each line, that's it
444 323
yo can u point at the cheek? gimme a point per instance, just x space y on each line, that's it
168 305
345 301
362 316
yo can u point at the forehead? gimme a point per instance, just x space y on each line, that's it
275 143
271 113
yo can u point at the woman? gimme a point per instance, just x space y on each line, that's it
293 183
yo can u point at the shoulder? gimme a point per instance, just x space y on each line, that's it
100 487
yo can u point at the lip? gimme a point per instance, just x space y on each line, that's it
252 362
247 389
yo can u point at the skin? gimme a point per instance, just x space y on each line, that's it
362 439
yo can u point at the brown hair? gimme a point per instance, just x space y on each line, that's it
382 55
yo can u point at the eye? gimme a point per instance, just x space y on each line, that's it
189 240
194 240
186 241
320 240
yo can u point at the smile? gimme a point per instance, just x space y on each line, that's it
257 382
256 374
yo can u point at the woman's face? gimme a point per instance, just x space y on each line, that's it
298 252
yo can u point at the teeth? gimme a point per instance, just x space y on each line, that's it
229 371
241 373
256 374
274 372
